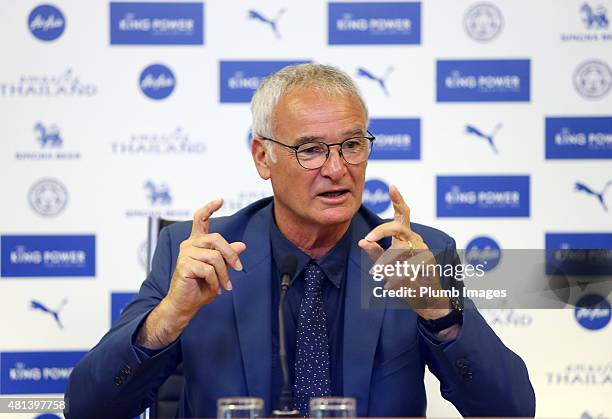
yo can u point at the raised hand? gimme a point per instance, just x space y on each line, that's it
406 245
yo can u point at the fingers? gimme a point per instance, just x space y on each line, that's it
191 268
391 229
401 210
214 258
201 216
216 241
373 249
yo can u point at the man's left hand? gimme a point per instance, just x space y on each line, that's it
406 245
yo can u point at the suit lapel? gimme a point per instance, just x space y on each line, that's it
361 326
252 305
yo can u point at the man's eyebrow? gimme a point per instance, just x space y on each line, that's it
352 132
310 138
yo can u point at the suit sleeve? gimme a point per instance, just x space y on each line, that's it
477 372
113 379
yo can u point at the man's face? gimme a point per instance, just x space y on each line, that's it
328 195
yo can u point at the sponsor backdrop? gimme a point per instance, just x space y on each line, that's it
493 118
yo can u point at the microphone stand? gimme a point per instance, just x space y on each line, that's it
286 397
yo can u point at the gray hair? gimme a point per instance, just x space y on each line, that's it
325 78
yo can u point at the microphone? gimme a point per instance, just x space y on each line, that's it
288 267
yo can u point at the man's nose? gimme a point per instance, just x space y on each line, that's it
334 166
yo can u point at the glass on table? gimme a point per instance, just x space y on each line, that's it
240 407
333 407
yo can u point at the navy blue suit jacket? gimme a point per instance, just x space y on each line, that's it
227 347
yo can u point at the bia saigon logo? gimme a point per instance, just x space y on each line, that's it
376 195
592 79
48 197
271 22
46 22
592 312
157 81
483 22
483 251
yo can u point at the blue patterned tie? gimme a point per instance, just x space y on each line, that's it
312 377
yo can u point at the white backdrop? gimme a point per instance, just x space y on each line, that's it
197 146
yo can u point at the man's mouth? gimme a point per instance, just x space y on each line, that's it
334 194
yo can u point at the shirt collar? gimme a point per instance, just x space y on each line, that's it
333 263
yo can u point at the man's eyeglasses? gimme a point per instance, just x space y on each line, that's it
314 154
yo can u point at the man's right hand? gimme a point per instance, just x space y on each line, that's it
200 274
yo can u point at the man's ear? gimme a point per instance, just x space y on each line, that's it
261 157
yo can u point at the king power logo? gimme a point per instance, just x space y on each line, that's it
483 196
37 372
396 138
579 137
156 23
48 256
577 253
374 23
483 80
239 79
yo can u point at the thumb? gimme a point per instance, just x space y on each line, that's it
373 249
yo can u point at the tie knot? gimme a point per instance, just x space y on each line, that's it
313 276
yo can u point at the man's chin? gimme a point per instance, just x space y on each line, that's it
335 215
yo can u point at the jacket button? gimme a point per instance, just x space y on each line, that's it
467 376
118 381
460 362
126 370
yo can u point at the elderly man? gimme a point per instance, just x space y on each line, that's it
211 298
